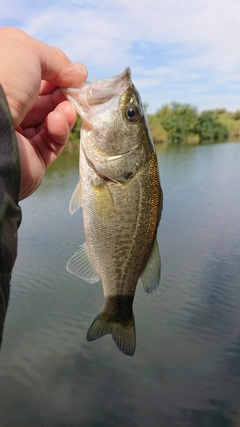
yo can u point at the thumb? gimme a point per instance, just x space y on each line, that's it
57 67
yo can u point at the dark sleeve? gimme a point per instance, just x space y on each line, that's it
10 212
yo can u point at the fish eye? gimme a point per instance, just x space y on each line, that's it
132 113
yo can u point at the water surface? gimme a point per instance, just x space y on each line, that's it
186 369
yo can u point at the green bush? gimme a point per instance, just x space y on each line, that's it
209 127
178 120
75 132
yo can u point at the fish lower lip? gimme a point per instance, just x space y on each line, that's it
112 158
118 156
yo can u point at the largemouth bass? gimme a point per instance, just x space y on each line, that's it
121 198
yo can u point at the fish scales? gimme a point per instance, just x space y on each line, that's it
122 249
121 198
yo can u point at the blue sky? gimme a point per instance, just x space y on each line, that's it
187 51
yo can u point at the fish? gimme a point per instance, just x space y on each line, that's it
121 198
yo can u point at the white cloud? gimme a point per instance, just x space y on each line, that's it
211 26
187 48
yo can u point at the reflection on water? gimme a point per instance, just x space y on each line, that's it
186 370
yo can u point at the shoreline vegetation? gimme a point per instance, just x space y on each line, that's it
176 123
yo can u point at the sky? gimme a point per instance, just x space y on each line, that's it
186 51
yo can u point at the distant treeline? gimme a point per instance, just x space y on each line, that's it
176 122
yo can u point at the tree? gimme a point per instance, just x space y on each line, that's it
145 106
178 120
208 127
236 115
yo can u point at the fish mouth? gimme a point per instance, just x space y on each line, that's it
106 89
111 81
92 94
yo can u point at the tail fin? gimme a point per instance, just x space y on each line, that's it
123 335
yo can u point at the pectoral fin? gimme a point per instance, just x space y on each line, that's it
150 277
76 200
103 205
81 266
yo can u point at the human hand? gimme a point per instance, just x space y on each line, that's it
31 73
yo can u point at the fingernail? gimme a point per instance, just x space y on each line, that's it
81 67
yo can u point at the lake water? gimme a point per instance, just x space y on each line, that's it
186 369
